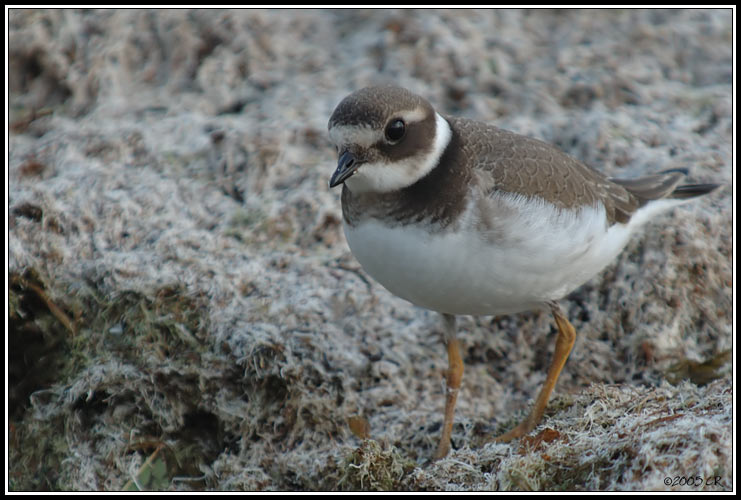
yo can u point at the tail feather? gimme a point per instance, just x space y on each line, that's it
651 187
664 185
693 190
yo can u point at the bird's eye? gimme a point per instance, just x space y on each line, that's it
395 130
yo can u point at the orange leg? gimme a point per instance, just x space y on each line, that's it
564 343
453 383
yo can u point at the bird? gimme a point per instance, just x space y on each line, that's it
464 218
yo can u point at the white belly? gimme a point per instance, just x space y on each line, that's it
541 254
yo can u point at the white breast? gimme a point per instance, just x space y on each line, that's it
538 253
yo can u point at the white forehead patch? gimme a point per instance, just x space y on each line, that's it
415 115
362 135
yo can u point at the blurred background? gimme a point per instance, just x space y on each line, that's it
184 312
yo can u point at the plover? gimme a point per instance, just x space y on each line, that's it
462 217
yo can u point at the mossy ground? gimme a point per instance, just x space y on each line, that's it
184 313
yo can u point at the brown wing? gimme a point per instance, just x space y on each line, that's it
520 164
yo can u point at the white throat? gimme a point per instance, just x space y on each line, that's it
382 177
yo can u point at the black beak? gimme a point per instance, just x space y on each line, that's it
346 166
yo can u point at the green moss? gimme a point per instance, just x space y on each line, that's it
37 337
572 474
371 467
135 325
255 227
152 476
36 451
57 331
700 373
